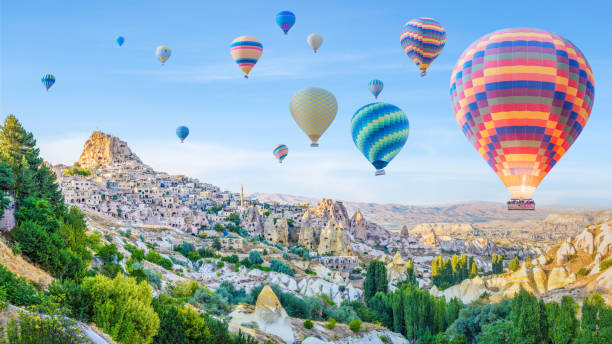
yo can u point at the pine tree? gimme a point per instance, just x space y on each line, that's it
473 268
596 322
410 274
452 310
565 325
526 317
497 263
514 264
376 279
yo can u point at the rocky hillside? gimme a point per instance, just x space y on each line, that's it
103 151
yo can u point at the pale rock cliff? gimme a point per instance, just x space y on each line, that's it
276 230
333 241
103 150
396 269
252 221
309 237
358 226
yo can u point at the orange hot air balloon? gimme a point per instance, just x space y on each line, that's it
522 97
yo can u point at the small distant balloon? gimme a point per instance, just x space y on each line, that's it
423 40
314 40
120 40
246 51
182 132
163 53
48 80
380 131
285 20
280 152
376 86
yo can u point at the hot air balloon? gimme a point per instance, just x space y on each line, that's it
376 86
163 53
246 51
182 132
313 109
286 20
48 80
522 97
280 152
120 40
380 131
314 40
423 40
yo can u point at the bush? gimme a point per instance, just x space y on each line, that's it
193 256
331 323
220 264
583 272
210 302
308 324
385 339
71 297
136 254
18 291
255 257
41 329
282 267
605 265
109 254
184 248
155 258
355 325
122 308
206 252
233 259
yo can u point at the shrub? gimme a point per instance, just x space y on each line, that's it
605 265
109 254
71 297
220 264
331 323
233 259
18 291
310 272
255 257
122 308
308 324
355 325
385 339
184 248
583 272
48 328
210 302
111 270
136 253
206 252
154 257
193 256
282 267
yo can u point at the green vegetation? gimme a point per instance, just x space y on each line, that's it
514 264
497 263
603 266
355 325
282 267
450 271
308 324
77 171
331 323
410 273
7 182
16 290
376 279
155 258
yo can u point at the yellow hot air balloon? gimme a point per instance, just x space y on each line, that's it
313 109
163 53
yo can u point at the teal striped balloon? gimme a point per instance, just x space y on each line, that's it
380 131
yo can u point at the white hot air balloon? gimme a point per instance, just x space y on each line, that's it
314 40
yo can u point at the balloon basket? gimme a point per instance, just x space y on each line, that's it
314 144
246 76
423 73
521 204
380 172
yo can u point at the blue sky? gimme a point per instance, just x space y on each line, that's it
235 123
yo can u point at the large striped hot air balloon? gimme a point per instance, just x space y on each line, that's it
48 80
285 20
163 53
280 152
522 97
380 131
375 86
313 109
423 40
246 51
182 132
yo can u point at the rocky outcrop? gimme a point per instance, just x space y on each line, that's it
603 240
276 230
396 269
268 308
358 226
328 210
7 220
565 250
445 228
308 235
103 150
559 277
333 241
252 221
404 233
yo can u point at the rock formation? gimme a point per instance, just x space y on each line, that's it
358 226
328 210
7 220
276 230
445 228
559 277
566 250
308 236
404 233
333 241
104 150
396 269
268 308
252 221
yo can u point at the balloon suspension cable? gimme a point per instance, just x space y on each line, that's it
314 144
423 73
315 51
380 172
375 96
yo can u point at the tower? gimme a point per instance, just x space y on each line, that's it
241 197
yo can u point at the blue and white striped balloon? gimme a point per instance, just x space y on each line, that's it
48 80
376 86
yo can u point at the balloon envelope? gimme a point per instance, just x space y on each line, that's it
182 132
423 40
522 97
313 109
285 20
246 51
280 152
163 53
48 80
380 131
376 86
120 40
314 40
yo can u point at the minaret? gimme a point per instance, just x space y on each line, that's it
241 197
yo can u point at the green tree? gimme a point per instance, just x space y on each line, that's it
497 263
410 273
528 262
452 310
122 308
473 270
376 279
255 257
216 244
527 319
170 322
596 322
514 264
565 325
7 183
496 333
